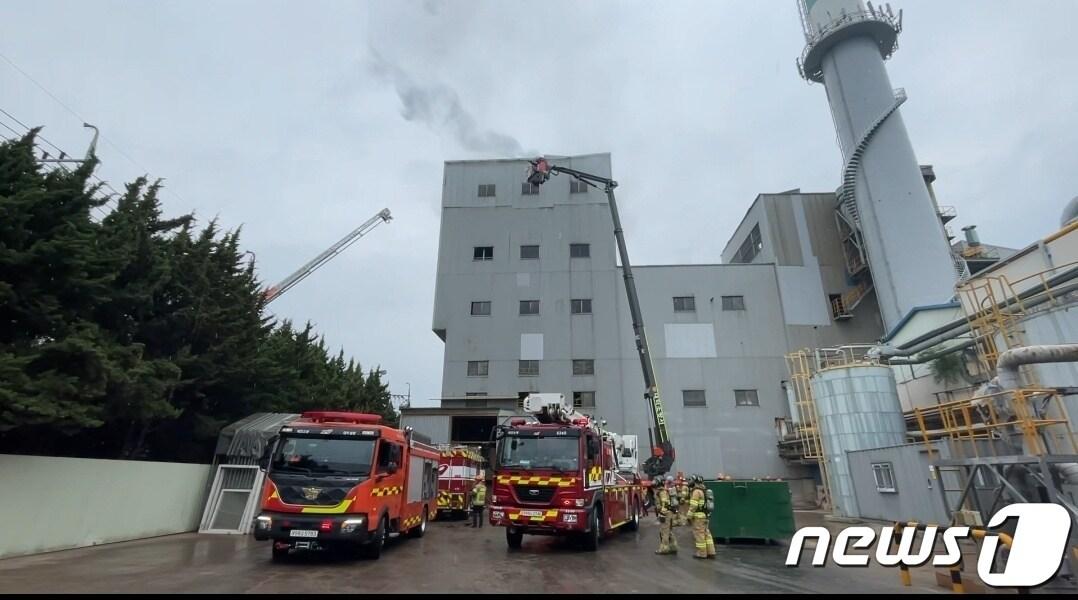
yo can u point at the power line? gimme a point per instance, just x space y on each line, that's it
50 168
27 127
80 118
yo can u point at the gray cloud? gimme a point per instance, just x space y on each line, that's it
438 106
433 7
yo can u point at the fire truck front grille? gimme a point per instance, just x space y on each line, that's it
312 495
527 493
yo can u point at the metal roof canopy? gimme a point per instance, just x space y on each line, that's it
246 439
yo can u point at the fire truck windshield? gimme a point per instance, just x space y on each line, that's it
557 453
324 456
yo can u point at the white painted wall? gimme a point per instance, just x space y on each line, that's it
61 503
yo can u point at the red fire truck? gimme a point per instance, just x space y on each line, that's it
344 480
457 470
561 474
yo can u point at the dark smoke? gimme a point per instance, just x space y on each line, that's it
438 106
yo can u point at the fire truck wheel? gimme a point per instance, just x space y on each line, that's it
634 518
280 554
591 537
513 538
417 532
374 548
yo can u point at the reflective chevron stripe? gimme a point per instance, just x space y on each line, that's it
537 480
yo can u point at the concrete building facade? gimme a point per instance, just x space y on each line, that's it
529 298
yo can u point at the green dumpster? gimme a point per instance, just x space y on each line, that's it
751 510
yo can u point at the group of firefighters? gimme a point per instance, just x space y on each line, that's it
684 502
677 503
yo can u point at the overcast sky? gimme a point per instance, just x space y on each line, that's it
300 120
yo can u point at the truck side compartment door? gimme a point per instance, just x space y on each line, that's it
389 478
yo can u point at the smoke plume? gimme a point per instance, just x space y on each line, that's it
438 106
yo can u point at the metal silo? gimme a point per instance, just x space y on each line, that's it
858 409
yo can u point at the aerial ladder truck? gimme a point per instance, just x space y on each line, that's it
305 271
662 450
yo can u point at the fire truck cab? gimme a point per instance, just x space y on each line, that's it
344 480
561 474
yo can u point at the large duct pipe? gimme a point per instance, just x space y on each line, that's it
1008 378
1008 362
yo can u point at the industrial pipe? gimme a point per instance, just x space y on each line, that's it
1007 376
1035 297
964 325
1009 361
917 360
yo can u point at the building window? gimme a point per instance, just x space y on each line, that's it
529 307
529 252
733 303
481 309
885 477
750 247
581 306
684 303
486 190
584 367
528 368
483 253
579 250
577 187
478 368
529 189
583 399
520 400
746 398
693 398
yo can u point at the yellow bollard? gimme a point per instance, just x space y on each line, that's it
956 580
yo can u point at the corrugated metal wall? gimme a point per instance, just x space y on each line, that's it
62 503
436 427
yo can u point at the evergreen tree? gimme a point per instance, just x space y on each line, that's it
140 336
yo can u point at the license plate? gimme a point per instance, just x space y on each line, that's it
532 513
304 533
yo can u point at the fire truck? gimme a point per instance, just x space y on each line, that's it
561 474
457 470
340 480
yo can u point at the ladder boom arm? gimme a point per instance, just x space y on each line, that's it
662 453
303 272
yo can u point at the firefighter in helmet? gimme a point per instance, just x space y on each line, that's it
479 501
666 510
683 492
700 507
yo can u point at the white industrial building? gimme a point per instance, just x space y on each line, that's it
529 298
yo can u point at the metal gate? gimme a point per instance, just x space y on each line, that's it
233 499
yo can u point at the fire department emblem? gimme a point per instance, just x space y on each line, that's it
311 493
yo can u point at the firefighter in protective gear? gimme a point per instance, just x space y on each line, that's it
700 510
683 492
479 501
666 510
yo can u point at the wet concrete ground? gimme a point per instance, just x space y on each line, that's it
451 558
